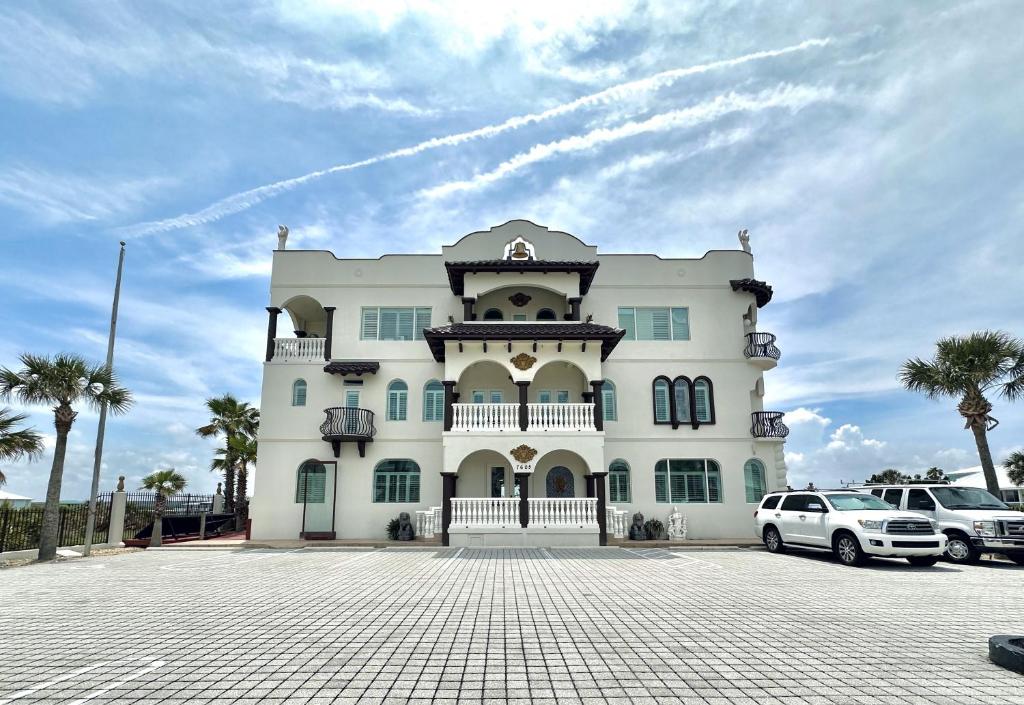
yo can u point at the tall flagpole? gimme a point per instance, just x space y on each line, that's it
90 523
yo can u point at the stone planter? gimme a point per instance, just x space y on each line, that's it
1007 650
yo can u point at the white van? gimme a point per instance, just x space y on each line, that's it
975 521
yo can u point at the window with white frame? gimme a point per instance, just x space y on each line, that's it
687 481
406 323
655 322
433 401
754 480
396 481
398 400
299 392
618 481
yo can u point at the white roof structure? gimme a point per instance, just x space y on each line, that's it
5 496
974 477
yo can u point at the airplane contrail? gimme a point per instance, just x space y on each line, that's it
244 200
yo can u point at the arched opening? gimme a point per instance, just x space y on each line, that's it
682 404
618 482
315 490
308 318
486 473
703 400
546 314
687 481
398 400
608 401
299 392
493 314
661 390
433 401
558 382
396 481
559 473
486 382
523 303
559 482
754 480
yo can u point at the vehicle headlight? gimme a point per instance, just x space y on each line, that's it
870 524
985 528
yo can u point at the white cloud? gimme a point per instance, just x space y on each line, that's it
803 415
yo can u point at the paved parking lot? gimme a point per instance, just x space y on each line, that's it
517 626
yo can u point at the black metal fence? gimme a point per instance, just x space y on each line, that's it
19 528
139 507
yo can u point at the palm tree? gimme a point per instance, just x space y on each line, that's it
166 483
63 380
889 476
1014 466
244 450
229 417
15 444
935 474
966 368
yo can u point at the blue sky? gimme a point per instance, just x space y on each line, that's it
873 150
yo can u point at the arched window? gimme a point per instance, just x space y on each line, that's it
546 314
311 483
608 410
703 400
398 400
662 403
754 480
687 481
493 314
618 481
681 400
396 481
433 401
560 482
299 392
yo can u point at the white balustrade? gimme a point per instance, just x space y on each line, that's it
485 511
563 511
485 417
299 349
428 521
616 523
560 417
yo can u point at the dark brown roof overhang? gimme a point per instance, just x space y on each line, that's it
762 291
352 367
457 270
436 337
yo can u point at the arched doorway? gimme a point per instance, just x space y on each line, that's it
559 482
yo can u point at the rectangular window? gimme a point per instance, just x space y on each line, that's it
488 396
396 487
544 396
687 481
655 323
661 404
518 316
404 323
608 403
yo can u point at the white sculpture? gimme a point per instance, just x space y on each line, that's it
676 525
744 240
282 236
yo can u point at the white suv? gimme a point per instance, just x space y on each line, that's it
851 524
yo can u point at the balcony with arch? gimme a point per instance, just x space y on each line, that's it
312 327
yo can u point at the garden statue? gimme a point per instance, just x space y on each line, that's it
282 236
637 531
120 483
676 525
405 530
744 240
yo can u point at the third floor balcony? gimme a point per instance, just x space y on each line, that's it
761 350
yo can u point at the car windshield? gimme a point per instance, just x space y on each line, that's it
966 498
857 502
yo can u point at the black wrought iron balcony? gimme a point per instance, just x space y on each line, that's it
768 424
761 346
348 424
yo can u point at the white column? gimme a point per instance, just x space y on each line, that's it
118 504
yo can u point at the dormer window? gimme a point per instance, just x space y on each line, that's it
519 250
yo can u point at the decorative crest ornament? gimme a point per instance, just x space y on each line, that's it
744 240
522 361
519 299
120 483
523 453
282 236
519 251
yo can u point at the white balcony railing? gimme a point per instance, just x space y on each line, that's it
505 417
569 511
485 417
485 511
299 349
560 417
428 522
616 522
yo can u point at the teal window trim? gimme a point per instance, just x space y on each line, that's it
618 482
754 480
688 481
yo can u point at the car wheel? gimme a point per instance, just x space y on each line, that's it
847 549
1017 558
922 561
960 550
773 540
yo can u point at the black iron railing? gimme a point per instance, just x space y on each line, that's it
348 421
768 424
19 528
761 345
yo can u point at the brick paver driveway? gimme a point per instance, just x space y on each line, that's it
472 626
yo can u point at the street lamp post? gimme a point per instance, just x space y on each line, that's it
90 524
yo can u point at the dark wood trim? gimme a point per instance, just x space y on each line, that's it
574 308
598 404
317 535
468 302
671 402
328 332
711 401
272 312
524 415
601 488
457 271
587 397
524 498
449 400
589 480
762 291
447 493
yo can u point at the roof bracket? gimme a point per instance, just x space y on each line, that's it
510 346
559 346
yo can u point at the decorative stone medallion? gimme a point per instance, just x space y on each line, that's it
522 361
523 453
519 299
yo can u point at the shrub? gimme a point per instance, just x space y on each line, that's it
655 529
393 529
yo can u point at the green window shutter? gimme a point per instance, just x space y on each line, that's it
312 485
402 482
661 405
544 396
563 396
702 400
414 487
392 406
403 405
681 389
608 410
388 324
405 324
352 400
644 324
299 393
369 326
439 406
680 324
422 321
661 481
660 327
478 396
495 396
695 489
627 321
714 482
392 487
754 480
380 487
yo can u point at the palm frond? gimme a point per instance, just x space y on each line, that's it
167 482
17 443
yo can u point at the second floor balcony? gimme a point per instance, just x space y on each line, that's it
470 418
299 349
761 350
345 423
768 424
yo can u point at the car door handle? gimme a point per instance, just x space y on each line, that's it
803 516
778 515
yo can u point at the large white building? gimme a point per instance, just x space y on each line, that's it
517 389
